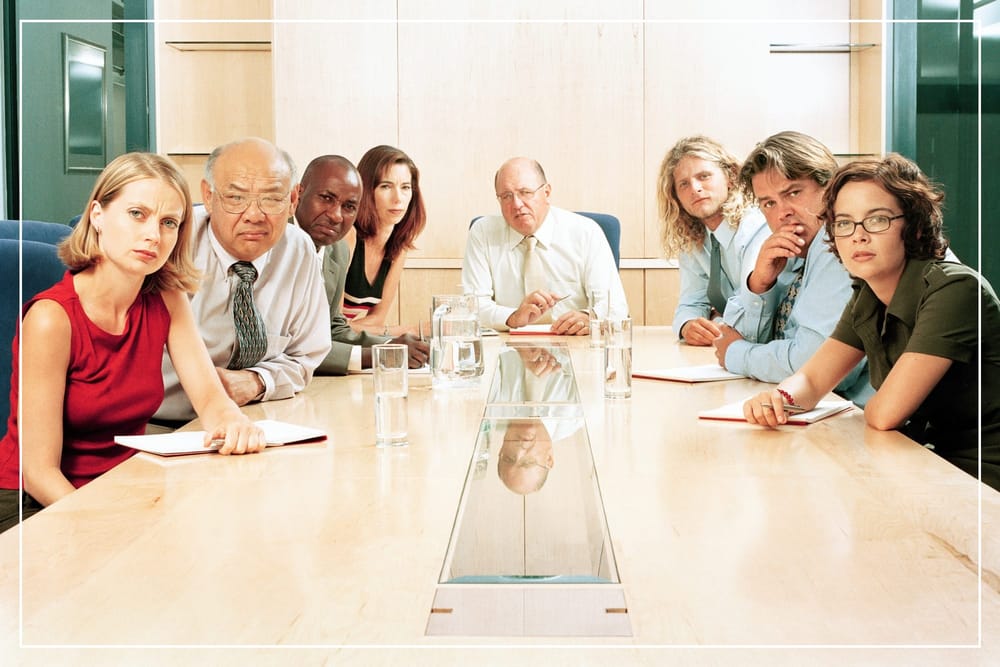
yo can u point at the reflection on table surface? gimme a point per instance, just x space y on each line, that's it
725 534
531 512
534 521
533 380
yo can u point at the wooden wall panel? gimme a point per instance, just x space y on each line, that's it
694 86
337 91
462 86
473 95
632 281
242 20
417 286
213 97
867 89
662 287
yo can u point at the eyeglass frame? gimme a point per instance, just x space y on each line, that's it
864 224
524 194
524 462
285 200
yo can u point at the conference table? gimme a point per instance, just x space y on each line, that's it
831 543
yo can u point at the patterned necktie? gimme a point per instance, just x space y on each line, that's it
719 286
785 306
534 272
251 338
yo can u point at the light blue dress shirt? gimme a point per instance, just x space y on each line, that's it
825 291
739 253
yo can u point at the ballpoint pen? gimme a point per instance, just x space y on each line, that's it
790 408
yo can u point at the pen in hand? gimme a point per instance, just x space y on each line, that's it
792 409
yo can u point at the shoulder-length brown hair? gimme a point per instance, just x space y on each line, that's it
81 248
372 167
918 197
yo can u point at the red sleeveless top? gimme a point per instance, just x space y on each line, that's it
114 384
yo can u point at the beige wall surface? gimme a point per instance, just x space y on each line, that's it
596 91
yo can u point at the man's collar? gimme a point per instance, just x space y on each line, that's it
225 259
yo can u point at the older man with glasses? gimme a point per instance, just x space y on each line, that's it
261 307
537 263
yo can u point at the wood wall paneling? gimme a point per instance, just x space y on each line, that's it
238 20
215 81
417 286
661 289
337 87
472 96
695 85
596 102
867 88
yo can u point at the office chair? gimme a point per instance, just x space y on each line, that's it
609 224
612 229
42 270
34 230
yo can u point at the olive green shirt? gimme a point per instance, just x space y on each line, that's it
934 310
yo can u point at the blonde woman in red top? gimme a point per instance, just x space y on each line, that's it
91 346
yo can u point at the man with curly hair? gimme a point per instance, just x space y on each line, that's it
713 229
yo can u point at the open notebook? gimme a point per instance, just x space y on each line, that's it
193 442
705 373
734 412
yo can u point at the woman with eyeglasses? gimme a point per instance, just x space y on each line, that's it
91 346
916 317
390 218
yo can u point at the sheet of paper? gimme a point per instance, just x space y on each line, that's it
534 329
192 442
824 409
704 373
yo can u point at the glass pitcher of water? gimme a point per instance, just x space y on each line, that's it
456 346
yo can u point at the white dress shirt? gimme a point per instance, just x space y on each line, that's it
575 253
288 293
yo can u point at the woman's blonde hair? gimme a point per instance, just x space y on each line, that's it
681 231
81 248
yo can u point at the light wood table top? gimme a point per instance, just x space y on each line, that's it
727 537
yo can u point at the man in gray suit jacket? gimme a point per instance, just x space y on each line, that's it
329 196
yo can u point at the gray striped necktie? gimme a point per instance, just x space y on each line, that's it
251 336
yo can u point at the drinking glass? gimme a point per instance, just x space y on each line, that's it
618 358
389 366
599 307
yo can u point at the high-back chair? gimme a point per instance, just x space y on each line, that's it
42 269
34 230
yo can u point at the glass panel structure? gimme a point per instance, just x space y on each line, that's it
530 552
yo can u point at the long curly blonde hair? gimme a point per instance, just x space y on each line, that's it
681 231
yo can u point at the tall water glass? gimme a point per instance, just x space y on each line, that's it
618 358
599 308
389 364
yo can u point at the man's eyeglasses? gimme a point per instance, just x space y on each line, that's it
237 202
524 462
523 194
873 224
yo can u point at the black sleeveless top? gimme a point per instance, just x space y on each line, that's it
360 296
